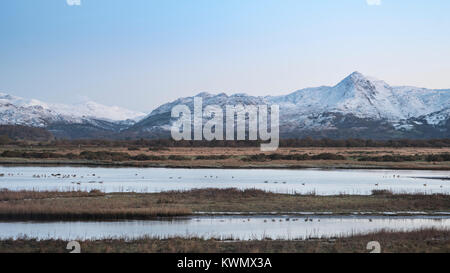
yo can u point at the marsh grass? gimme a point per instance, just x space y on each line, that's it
70 214
423 240
7 195
100 206
382 192
136 153
254 200
79 205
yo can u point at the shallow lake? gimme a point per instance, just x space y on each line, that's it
223 227
319 181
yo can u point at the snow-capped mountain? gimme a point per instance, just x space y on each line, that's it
18 111
35 113
88 119
358 106
91 109
365 97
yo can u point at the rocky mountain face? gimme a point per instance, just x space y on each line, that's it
87 120
356 107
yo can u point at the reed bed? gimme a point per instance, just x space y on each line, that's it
349 157
253 200
22 212
7 195
100 206
79 205
418 241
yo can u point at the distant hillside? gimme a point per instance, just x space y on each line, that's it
86 120
19 132
357 107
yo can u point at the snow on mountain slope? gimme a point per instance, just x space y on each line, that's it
357 106
221 99
92 109
31 112
422 101
35 116
362 97
365 97
438 118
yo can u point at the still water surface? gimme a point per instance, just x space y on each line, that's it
223 227
320 181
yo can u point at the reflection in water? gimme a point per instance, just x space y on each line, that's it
223 227
319 181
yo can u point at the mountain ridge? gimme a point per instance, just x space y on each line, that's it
73 113
357 106
370 104
86 120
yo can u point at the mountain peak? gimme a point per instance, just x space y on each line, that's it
204 94
352 79
27 109
357 80
357 74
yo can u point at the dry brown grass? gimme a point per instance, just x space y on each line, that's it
420 241
233 200
24 212
175 203
68 206
7 195
232 157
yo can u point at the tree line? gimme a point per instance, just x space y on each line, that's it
303 142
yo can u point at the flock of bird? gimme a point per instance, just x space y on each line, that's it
57 175
398 176
67 176
276 182
307 219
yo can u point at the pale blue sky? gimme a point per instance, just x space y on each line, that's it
141 53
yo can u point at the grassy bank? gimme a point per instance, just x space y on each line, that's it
6 195
434 158
99 206
426 240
